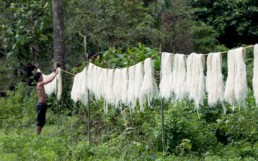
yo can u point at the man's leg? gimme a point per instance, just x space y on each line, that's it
41 117
38 130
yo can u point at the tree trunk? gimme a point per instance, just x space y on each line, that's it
58 33
58 36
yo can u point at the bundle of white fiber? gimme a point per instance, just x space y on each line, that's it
96 80
124 86
195 78
93 77
79 90
101 82
214 80
241 81
117 86
229 95
59 84
109 93
90 76
83 89
149 86
189 73
236 84
138 82
255 74
179 77
165 85
50 88
108 89
75 88
131 84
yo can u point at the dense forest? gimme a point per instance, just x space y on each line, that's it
122 33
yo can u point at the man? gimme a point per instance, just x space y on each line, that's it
42 102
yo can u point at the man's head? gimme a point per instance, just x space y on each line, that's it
38 77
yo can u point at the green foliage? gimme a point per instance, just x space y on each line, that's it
25 37
16 110
204 38
181 122
25 32
125 136
115 23
175 26
117 26
233 20
115 58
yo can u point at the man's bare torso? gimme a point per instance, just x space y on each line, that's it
41 93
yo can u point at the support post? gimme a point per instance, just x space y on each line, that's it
89 117
85 47
58 116
163 131
162 113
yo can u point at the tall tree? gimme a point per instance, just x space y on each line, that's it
58 33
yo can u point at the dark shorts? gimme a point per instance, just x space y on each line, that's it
41 111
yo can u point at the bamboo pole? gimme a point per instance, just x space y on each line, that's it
162 117
89 136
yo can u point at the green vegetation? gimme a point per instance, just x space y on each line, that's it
126 32
128 136
132 136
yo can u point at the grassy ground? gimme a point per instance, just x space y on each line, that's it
12 141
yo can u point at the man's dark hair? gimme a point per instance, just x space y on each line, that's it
37 75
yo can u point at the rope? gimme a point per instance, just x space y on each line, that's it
68 72
224 52
156 54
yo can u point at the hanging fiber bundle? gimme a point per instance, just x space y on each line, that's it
117 87
90 74
131 85
229 95
83 89
108 88
214 80
195 78
96 79
101 83
138 82
79 90
236 84
75 88
149 86
179 77
93 79
124 86
50 88
255 74
189 73
59 84
165 85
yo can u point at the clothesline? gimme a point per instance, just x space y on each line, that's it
223 52
68 72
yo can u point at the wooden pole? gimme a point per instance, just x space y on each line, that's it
85 47
89 117
162 117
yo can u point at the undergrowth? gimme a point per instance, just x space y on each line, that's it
125 136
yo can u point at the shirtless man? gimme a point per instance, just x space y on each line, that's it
42 102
